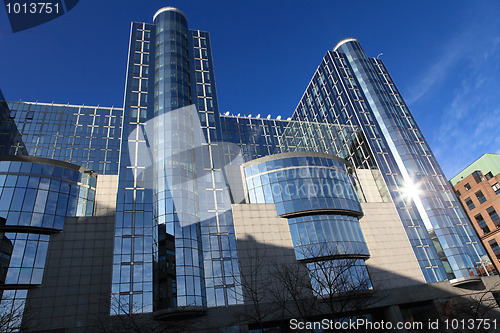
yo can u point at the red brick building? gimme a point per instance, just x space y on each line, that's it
478 189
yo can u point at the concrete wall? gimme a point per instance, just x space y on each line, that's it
261 223
373 185
392 262
76 285
260 231
265 251
105 195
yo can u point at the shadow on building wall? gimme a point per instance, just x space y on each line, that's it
76 288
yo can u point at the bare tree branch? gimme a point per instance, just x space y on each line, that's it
474 309
327 284
11 315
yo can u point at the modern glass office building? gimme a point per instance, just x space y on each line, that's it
166 194
350 88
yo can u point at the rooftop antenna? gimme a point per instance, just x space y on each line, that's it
380 54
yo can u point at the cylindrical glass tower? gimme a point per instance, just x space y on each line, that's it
172 83
421 177
178 257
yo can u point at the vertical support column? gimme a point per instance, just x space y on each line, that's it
175 138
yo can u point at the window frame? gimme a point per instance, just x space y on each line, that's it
470 203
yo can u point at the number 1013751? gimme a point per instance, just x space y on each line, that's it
32 8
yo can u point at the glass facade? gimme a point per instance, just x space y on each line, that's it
132 285
316 194
423 181
220 257
335 96
87 136
352 90
42 195
36 195
176 136
194 248
11 142
301 183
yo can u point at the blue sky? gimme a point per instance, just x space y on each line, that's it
443 55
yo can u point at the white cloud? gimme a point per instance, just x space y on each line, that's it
467 74
468 126
476 43
437 72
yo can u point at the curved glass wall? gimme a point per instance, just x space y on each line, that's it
316 236
174 163
299 182
25 264
42 195
316 194
172 74
336 277
176 206
36 195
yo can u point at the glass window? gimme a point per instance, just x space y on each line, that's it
17 199
494 246
480 221
467 187
482 224
470 204
135 84
457 193
496 188
6 199
206 77
489 175
480 197
478 176
11 181
493 214
51 203
29 200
